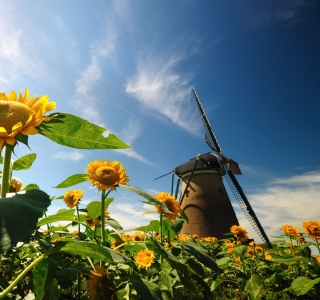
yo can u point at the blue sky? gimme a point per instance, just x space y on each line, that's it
130 66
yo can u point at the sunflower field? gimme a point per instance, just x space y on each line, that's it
92 257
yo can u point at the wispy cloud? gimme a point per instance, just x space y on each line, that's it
73 155
162 89
19 54
100 50
285 201
129 134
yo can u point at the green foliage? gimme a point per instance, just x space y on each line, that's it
74 132
19 215
72 180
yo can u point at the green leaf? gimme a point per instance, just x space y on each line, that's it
19 216
72 131
43 280
201 255
241 250
114 224
151 199
92 250
67 215
146 289
24 162
94 209
72 180
154 225
303 285
31 186
254 285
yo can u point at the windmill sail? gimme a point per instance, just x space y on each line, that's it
210 138
246 207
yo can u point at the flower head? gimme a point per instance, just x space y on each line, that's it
290 230
239 232
100 284
72 197
171 203
20 115
106 175
144 258
312 228
15 186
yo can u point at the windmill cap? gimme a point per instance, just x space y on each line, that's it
205 162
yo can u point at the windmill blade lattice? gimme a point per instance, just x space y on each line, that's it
246 207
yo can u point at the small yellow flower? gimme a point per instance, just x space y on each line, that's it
184 238
106 175
144 258
209 239
15 186
312 228
252 244
195 236
171 203
72 197
20 115
230 250
100 285
290 230
267 256
250 251
239 232
138 236
258 249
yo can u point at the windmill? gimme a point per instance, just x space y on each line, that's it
204 198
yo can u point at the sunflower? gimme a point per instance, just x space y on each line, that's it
239 232
15 186
144 258
138 236
312 228
72 197
106 175
21 115
290 230
171 203
100 284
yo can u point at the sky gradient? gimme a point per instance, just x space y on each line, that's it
130 66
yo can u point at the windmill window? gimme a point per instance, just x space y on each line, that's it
208 214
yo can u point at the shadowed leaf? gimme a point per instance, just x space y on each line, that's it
19 216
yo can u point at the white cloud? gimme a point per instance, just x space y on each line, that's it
129 134
158 86
73 155
130 216
20 53
84 97
291 200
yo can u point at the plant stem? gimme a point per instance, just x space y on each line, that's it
160 228
6 171
22 274
104 196
78 220
102 218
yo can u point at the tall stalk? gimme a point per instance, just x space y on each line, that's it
6 172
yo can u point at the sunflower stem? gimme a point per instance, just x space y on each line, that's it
160 229
104 196
6 172
5 292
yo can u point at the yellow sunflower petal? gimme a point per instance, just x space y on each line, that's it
29 131
10 140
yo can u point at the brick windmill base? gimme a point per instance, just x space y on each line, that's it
206 202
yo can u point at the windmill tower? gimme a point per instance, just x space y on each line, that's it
204 198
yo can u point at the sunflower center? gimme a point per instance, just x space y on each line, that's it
12 113
106 175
